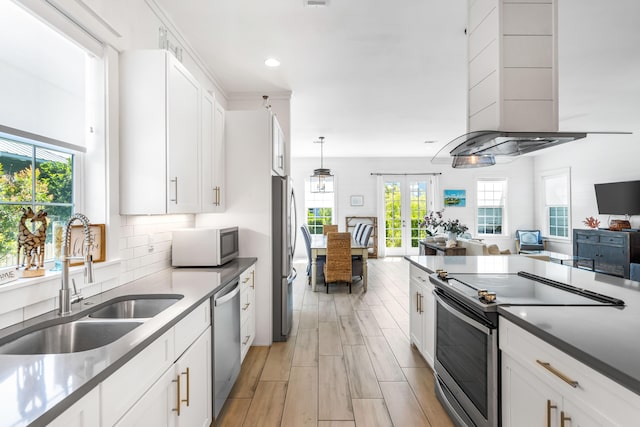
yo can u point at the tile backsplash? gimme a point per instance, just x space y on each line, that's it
145 243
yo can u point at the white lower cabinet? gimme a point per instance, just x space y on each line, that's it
542 386
182 395
166 384
247 309
422 317
84 413
124 387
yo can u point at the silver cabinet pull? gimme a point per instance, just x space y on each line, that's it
175 180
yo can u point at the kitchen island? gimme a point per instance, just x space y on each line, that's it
37 388
601 338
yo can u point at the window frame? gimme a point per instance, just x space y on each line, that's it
310 200
504 219
546 208
33 203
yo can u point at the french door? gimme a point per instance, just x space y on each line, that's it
405 200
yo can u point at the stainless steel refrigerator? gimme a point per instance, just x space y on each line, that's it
284 245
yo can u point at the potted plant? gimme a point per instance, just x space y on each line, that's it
433 221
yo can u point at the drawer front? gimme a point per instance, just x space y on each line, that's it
612 240
593 389
418 275
592 238
190 328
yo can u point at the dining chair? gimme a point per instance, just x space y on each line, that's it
337 267
328 228
306 235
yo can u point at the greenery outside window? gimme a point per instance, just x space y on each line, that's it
320 209
491 206
418 200
32 176
556 200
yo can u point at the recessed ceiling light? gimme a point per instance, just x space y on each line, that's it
272 62
429 141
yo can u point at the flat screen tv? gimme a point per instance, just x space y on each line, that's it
618 198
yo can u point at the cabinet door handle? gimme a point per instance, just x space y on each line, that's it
549 408
280 161
557 373
177 409
217 196
417 302
188 387
421 307
246 306
175 180
253 279
563 419
246 340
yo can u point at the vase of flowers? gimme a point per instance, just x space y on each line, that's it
454 227
433 221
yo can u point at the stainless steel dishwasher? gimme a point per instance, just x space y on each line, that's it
226 341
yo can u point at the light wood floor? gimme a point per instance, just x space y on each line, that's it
348 362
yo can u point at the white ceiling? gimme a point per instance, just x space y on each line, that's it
378 78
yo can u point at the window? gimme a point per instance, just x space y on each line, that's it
48 103
491 206
556 203
320 208
33 177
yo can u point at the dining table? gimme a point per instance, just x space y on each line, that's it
319 247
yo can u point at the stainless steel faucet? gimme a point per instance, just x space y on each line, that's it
66 299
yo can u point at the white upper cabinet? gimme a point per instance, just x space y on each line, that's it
159 135
277 148
213 174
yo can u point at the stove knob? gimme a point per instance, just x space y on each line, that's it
442 274
482 293
490 297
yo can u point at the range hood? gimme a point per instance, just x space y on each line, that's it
499 143
512 106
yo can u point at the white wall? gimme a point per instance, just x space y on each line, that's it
353 177
595 159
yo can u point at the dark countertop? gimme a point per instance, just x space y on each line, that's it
37 388
603 338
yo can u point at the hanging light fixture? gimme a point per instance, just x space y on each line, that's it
473 160
321 181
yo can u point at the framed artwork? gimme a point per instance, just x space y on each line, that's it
455 198
357 200
77 242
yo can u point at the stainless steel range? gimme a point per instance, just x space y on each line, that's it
466 356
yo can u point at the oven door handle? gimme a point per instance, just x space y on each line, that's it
479 326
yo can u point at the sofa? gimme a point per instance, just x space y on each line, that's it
476 247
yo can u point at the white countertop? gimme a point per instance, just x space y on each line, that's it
37 388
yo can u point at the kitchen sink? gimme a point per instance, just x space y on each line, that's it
70 337
136 307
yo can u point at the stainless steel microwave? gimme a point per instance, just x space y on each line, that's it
204 247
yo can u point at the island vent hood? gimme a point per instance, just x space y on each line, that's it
513 82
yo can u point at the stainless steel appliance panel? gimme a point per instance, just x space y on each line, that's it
466 362
226 341
283 226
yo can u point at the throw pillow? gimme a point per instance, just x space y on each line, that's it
493 250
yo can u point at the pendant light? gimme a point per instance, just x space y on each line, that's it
321 181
